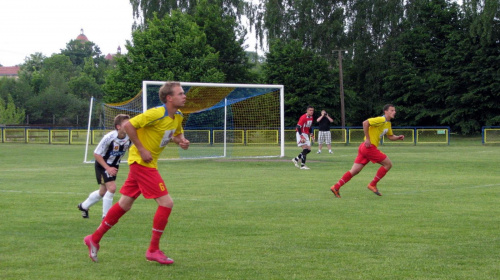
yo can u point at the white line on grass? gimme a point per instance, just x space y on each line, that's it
252 201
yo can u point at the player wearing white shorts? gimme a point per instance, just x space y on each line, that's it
304 135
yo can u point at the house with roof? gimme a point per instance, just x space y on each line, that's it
10 72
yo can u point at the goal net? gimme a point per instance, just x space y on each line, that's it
220 120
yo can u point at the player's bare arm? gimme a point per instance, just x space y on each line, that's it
112 171
132 134
396 137
181 141
366 126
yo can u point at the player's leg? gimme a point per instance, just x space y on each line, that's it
305 150
355 169
300 144
130 191
381 172
111 219
107 201
160 220
114 214
96 196
359 163
92 199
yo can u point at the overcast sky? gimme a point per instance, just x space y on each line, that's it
46 26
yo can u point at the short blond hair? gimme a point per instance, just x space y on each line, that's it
166 89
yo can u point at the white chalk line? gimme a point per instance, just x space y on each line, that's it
257 201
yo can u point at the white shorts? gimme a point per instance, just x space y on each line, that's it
308 143
324 137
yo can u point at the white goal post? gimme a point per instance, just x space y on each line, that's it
221 120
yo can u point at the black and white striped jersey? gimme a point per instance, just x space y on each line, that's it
112 148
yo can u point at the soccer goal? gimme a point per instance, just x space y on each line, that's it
220 120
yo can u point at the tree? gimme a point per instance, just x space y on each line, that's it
78 51
306 76
9 113
56 103
226 37
29 72
437 74
85 87
173 48
146 10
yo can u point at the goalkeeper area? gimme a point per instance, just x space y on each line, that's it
220 120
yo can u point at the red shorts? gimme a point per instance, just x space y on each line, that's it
366 155
145 180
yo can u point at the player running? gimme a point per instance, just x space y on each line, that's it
374 129
150 133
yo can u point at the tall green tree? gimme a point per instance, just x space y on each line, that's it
307 77
30 72
145 10
474 103
220 20
55 104
78 51
173 48
227 37
318 25
9 113
434 74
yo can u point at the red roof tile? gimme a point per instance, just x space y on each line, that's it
9 70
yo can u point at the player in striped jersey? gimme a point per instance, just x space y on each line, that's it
107 154
374 129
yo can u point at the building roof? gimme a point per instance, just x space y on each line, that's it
82 36
9 70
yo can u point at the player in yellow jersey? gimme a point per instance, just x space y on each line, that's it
150 132
374 129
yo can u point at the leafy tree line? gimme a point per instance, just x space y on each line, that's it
437 61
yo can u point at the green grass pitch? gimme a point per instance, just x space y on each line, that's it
438 218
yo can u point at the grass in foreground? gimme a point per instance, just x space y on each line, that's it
249 219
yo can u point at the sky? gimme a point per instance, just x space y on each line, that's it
46 26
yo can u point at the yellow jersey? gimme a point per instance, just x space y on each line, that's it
379 126
154 129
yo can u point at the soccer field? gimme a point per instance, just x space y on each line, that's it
438 218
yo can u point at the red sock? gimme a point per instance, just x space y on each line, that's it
347 176
114 214
159 223
380 174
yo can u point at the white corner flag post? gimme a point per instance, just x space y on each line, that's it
88 130
225 126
